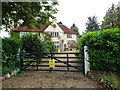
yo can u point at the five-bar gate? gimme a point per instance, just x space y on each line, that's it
72 62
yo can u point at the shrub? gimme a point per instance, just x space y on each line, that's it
29 43
50 46
33 43
104 49
9 55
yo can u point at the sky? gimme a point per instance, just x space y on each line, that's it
78 11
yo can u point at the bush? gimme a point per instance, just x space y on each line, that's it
29 43
104 49
9 55
33 43
50 46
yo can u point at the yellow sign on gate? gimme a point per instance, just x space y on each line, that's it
51 63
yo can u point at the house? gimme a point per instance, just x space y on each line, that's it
63 37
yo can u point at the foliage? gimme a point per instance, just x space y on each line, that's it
29 43
118 17
112 18
33 43
50 46
78 55
9 55
48 43
27 13
47 36
105 78
92 24
104 49
19 73
74 27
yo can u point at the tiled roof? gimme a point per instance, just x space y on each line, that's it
33 29
66 29
42 28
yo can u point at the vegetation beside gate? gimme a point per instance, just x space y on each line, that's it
29 43
9 55
104 49
104 56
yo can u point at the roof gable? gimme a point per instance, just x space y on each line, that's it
54 28
66 29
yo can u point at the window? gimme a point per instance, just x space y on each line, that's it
56 44
23 33
69 35
54 34
54 26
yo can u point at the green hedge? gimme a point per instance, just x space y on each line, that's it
104 49
9 55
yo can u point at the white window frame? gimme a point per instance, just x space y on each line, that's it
56 43
69 35
54 34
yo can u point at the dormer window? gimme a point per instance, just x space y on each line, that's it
69 35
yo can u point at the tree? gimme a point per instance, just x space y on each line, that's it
47 36
27 13
92 24
118 15
33 43
74 28
111 18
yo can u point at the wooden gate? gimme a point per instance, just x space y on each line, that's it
68 62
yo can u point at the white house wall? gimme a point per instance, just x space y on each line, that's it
42 35
74 37
56 29
62 36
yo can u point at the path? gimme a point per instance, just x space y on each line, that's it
37 79
63 68
45 79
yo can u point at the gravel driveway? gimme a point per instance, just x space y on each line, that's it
45 79
38 79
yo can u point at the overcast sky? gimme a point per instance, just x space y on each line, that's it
77 11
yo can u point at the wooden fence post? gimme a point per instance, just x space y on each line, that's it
67 63
86 60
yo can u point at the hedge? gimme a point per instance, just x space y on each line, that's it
9 55
104 49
